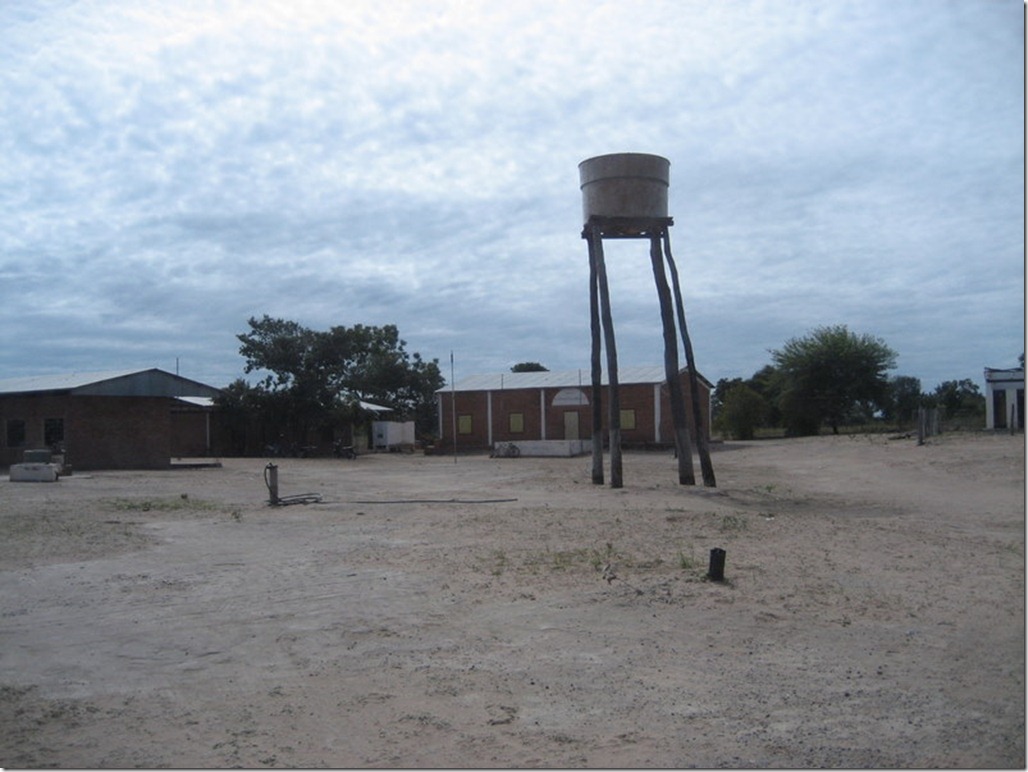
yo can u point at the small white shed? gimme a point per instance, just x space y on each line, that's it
392 435
1004 398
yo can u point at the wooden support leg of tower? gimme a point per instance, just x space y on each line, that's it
594 326
702 442
667 317
614 398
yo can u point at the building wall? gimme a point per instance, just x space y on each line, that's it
542 419
98 432
470 403
555 413
1003 390
193 432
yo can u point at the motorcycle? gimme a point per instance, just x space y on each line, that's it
343 451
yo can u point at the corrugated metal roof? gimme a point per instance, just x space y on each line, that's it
152 382
557 379
209 402
197 401
59 382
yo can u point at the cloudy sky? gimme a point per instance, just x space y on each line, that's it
170 169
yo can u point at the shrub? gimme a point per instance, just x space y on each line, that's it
742 412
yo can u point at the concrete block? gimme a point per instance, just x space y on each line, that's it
33 472
554 448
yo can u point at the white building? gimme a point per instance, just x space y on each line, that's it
1004 398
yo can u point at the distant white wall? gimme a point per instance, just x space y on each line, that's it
562 448
1008 383
388 434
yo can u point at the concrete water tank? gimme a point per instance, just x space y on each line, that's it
624 185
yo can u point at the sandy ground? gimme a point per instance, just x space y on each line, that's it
872 614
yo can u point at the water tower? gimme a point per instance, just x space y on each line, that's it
624 196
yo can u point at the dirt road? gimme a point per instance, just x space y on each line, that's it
507 612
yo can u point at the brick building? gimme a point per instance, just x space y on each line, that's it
513 407
112 420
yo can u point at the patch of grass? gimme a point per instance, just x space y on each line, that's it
769 433
38 538
169 504
600 559
547 560
562 560
569 559
732 523
687 562
499 562
774 491
1011 547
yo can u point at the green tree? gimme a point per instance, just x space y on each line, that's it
238 403
767 382
829 375
721 389
317 378
742 411
902 400
529 367
958 399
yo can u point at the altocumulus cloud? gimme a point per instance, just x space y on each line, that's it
171 169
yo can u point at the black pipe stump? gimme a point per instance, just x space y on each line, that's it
716 572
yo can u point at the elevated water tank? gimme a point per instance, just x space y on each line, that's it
624 185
